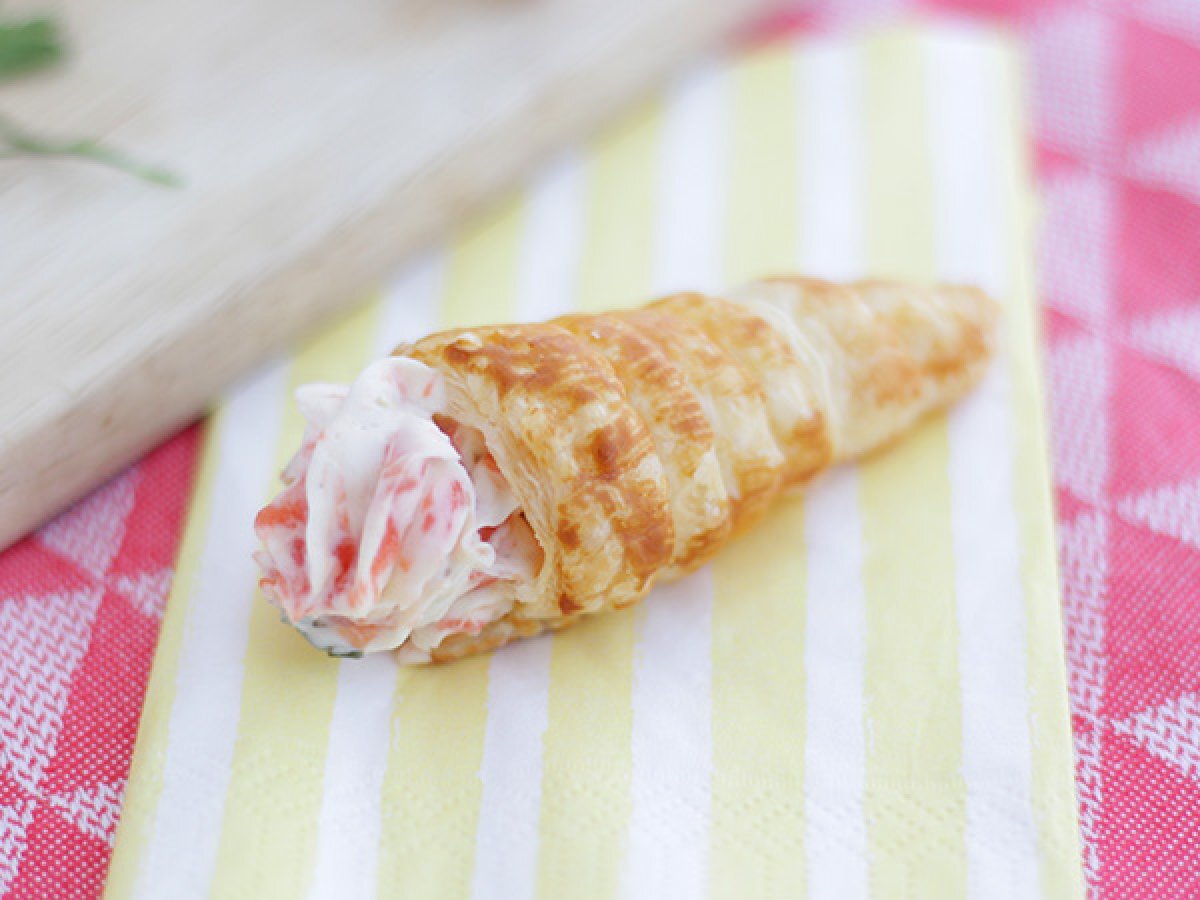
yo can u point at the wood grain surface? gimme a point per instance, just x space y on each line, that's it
319 144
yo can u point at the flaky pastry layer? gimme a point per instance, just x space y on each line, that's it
638 441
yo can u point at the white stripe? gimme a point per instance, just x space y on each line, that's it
549 262
832 246
672 742
348 828
692 171
349 825
833 141
1001 837
410 306
182 850
506 838
672 667
835 762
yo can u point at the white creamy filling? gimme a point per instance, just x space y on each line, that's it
375 542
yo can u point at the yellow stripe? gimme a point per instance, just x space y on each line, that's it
1053 762
431 790
145 774
269 832
758 613
616 264
481 282
587 762
915 796
762 222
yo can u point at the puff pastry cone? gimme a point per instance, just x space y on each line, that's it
638 442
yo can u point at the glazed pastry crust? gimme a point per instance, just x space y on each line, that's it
686 442
786 387
639 441
576 454
750 461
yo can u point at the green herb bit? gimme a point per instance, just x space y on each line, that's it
28 46
16 142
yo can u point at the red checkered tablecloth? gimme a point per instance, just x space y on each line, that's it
80 606
1116 92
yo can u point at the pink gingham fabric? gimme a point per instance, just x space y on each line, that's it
1116 93
80 606
1121 280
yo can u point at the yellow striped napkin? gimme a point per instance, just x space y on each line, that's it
865 696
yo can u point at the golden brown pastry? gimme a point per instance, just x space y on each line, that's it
562 469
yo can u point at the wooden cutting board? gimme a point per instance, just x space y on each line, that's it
319 143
